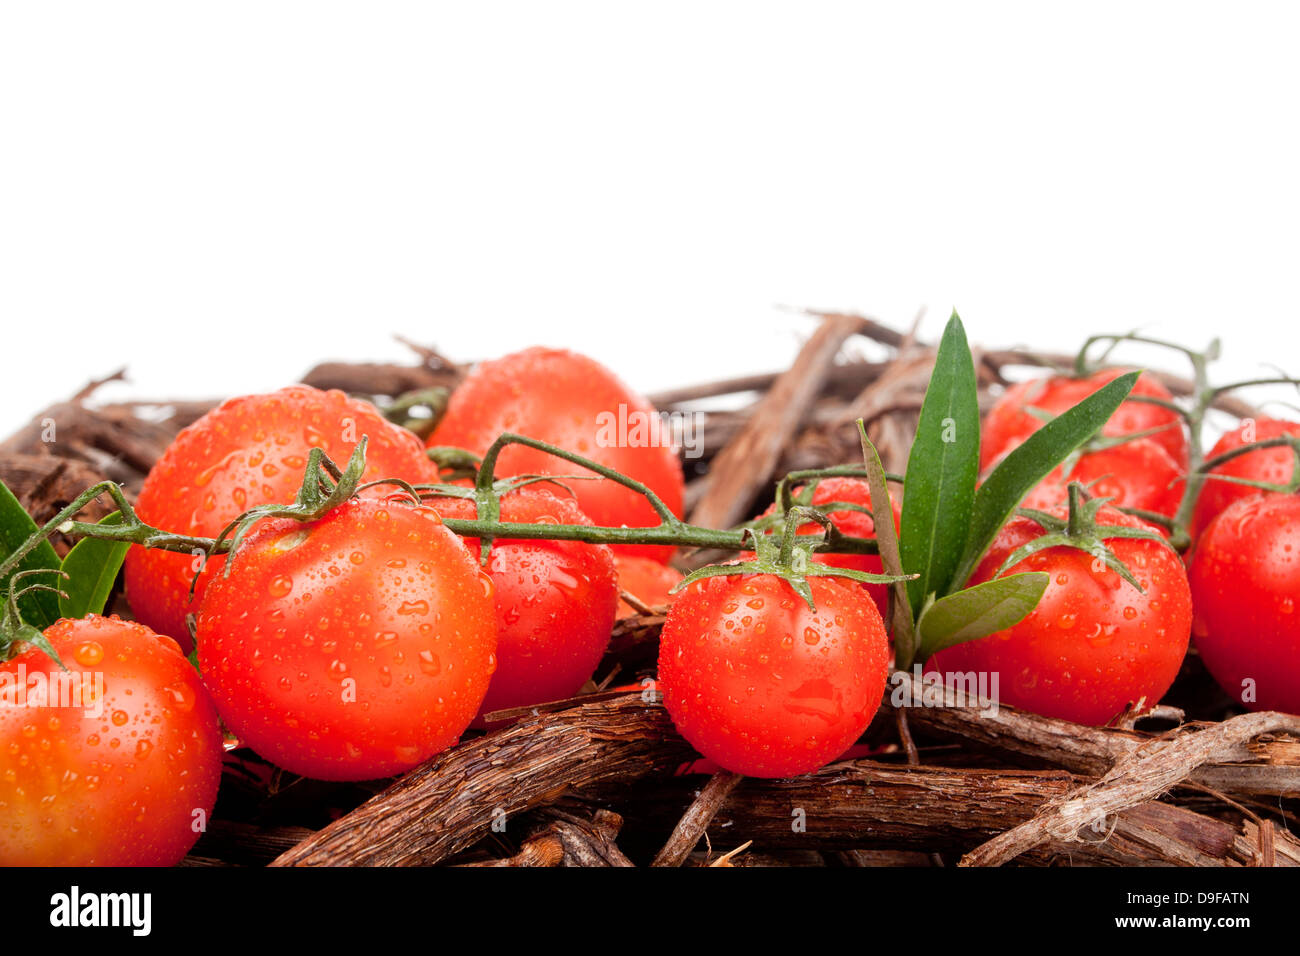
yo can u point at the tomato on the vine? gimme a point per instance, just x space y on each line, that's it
1245 578
1136 474
555 600
1094 643
573 402
761 684
249 451
852 491
1012 418
112 762
351 647
1272 465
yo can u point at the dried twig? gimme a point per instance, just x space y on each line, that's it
696 819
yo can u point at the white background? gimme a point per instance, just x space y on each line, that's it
219 195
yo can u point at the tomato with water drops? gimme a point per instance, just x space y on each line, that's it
765 686
342 669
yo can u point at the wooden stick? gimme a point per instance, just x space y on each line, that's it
450 802
1139 776
696 819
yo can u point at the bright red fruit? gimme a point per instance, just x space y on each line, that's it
1137 474
647 580
1245 578
1010 421
854 491
762 685
249 451
555 601
571 401
1271 465
126 773
1094 643
352 647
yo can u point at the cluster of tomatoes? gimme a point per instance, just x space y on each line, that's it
357 645
1095 644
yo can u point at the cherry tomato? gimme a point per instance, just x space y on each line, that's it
352 647
1137 474
119 766
1094 643
1245 578
647 580
571 401
1272 465
762 685
853 491
1011 420
249 451
555 601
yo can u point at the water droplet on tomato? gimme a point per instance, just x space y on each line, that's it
89 654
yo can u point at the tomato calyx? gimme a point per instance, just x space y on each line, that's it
1080 530
789 557
14 631
324 487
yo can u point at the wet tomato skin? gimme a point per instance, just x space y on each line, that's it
762 685
353 647
647 580
857 492
128 779
555 600
1011 421
1245 577
1094 643
1138 474
574 402
246 452
1271 465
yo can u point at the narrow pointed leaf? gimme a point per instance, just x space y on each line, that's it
1033 461
979 611
38 608
941 470
92 567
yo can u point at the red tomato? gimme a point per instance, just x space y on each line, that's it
250 451
1273 465
1137 474
352 647
762 685
647 580
853 491
1094 643
1010 422
122 767
555 601
1245 578
571 401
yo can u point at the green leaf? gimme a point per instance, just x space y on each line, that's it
941 470
1033 461
38 608
92 567
979 611
887 539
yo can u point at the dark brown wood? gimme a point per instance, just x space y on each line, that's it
450 802
749 458
696 819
